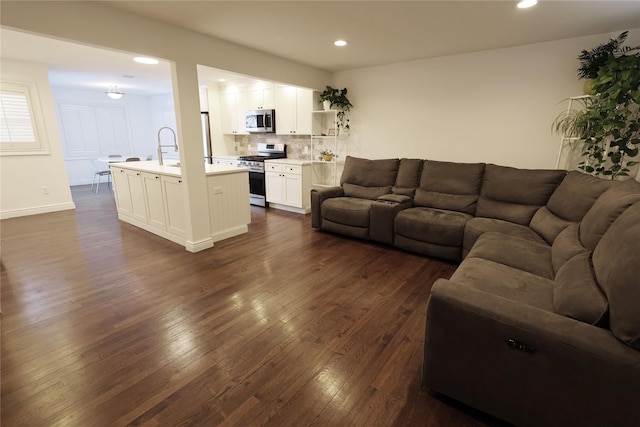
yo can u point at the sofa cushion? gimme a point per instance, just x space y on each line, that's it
432 225
450 186
515 252
576 293
606 209
358 191
477 226
347 210
369 173
566 246
408 177
515 194
617 269
505 281
547 224
576 194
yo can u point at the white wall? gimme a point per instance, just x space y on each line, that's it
140 129
24 180
493 106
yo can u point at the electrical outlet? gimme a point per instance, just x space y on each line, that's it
45 190
217 190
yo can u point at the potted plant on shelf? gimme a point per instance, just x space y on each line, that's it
609 122
331 97
327 155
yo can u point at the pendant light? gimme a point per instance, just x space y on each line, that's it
114 92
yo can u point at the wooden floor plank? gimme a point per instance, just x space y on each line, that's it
105 324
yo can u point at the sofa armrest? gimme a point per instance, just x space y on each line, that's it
319 195
554 371
383 214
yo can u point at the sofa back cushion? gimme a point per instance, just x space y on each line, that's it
576 194
566 246
616 266
547 224
606 209
408 177
576 293
362 192
514 194
450 186
369 173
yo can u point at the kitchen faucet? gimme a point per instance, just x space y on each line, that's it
175 144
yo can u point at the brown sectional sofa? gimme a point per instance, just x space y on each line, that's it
540 323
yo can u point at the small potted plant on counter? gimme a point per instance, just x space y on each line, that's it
327 155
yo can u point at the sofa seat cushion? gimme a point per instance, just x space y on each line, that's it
507 282
515 252
477 226
347 210
617 269
432 225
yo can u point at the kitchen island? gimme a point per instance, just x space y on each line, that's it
151 196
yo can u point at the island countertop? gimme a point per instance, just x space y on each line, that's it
169 168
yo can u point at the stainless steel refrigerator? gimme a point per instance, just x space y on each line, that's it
206 138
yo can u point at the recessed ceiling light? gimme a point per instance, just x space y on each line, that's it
527 3
145 60
340 43
222 80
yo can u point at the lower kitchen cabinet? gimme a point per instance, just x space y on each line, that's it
174 205
151 201
155 200
288 185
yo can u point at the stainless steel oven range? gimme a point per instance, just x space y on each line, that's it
255 164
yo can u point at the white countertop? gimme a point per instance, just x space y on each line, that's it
289 161
152 166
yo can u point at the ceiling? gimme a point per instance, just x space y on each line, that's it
378 32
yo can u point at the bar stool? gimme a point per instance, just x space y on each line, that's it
99 173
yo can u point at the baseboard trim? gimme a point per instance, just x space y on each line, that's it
14 213
229 232
198 246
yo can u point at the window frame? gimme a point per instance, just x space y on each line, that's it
40 146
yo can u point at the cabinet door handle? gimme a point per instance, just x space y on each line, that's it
138 173
179 181
157 177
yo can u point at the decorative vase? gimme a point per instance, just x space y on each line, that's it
326 104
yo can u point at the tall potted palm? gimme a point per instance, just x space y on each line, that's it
609 122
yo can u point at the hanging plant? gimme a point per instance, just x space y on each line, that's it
338 98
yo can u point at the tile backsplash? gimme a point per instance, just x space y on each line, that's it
298 146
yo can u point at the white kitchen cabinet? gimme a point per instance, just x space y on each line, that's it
225 161
151 197
123 195
288 185
293 110
261 96
136 191
233 110
174 205
155 200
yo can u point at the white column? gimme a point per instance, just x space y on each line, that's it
187 104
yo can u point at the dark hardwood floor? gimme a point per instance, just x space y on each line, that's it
104 324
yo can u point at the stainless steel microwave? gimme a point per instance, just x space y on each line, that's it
261 121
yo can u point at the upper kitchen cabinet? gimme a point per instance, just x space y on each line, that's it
293 110
261 96
233 109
